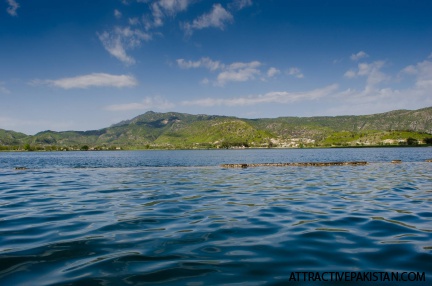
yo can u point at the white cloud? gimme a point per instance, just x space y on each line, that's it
115 47
239 4
92 80
173 6
119 40
282 97
337 61
147 103
241 65
411 69
372 72
163 8
272 72
217 18
117 14
157 16
350 74
376 97
13 7
239 72
203 62
294 71
369 101
423 72
205 81
134 21
358 56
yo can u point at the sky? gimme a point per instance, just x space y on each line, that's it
85 65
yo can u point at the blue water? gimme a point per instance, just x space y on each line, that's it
178 218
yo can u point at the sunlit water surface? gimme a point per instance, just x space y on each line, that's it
177 217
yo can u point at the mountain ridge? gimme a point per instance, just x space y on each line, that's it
182 130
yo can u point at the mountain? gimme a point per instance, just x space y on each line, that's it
181 130
319 127
8 137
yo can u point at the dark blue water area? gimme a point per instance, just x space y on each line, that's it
171 158
178 218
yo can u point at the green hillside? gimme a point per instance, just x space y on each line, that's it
215 132
179 130
9 139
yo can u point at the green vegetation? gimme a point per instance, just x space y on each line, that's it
179 130
84 148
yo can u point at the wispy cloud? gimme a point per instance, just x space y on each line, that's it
368 101
32 126
134 21
117 14
372 72
234 72
273 72
376 96
282 97
203 62
350 74
358 56
3 89
147 103
119 40
13 7
239 4
172 7
218 17
423 73
161 9
239 72
295 72
91 80
411 69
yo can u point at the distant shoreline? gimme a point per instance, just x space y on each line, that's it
246 148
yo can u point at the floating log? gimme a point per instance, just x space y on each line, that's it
234 165
299 164
20 168
396 161
429 160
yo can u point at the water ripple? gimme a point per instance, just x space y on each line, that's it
208 225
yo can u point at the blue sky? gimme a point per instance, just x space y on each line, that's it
81 65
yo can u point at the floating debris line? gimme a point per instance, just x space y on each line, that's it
299 164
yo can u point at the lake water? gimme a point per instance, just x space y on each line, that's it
178 218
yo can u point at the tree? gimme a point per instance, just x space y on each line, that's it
412 141
428 140
84 148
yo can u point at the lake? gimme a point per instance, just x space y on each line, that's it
178 218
